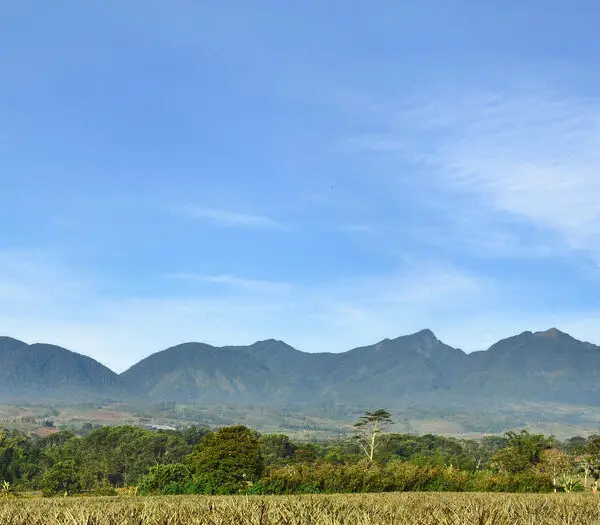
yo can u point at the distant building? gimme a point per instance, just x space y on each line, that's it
160 427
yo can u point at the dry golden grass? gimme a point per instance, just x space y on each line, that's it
354 509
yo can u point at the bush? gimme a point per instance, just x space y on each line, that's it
505 482
396 476
105 489
267 487
61 478
166 479
571 484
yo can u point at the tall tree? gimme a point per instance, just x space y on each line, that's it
587 460
523 452
369 428
62 478
228 460
276 448
555 463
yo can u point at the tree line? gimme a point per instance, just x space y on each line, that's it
239 460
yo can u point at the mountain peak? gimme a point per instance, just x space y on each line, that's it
269 342
273 348
42 371
426 333
272 343
552 332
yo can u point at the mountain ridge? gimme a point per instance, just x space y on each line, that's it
418 368
32 371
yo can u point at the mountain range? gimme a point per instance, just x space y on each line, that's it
417 369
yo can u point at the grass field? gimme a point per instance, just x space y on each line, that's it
354 509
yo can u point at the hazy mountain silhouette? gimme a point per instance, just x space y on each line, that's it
42 372
548 366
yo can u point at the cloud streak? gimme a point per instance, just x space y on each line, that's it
228 218
533 154
234 281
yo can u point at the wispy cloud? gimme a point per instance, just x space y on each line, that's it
234 281
227 218
532 154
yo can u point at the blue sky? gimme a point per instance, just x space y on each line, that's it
326 173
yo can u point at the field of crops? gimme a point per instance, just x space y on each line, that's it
354 509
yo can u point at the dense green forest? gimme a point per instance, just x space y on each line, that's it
237 459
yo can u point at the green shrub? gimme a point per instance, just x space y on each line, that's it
105 489
264 487
166 479
61 478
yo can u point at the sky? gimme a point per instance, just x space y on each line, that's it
327 173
